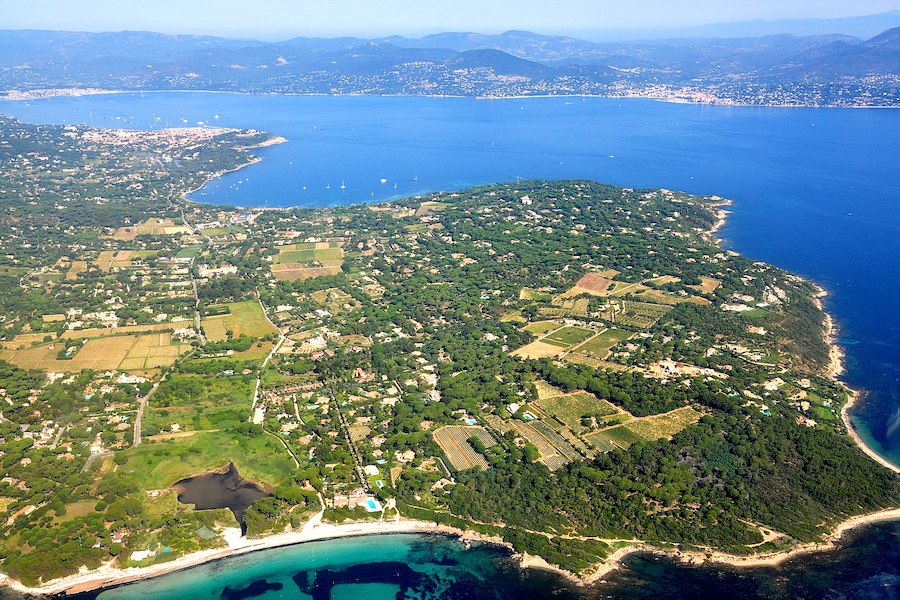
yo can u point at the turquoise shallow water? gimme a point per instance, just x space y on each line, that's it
370 567
866 566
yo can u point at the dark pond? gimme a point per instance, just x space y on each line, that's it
220 490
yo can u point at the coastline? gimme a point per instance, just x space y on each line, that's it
274 140
108 575
776 558
834 370
695 97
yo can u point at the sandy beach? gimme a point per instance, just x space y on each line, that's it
313 531
109 575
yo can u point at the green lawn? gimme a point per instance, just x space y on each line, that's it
541 327
189 252
601 344
568 336
157 465
245 317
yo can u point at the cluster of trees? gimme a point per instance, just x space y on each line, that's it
697 490
225 289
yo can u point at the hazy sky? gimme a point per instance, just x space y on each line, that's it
279 19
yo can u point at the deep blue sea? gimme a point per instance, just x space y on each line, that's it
815 191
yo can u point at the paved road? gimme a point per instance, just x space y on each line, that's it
94 457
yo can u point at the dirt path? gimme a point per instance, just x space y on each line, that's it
140 412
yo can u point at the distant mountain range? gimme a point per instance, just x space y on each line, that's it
860 26
829 69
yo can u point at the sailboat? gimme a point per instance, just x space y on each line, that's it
343 185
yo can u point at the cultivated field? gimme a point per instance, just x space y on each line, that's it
600 345
545 390
707 285
308 251
615 437
663 280
358 432
77 266
513 316
538 350
577 358
245 317
150 227
189 252
453 440
540 328
568 336
532 294
308 259
427 207
671 299
307 255
656 427
122 352
554 449
152 351
639 314
665 425
24 341
77 334
596 285
294 271
121 259
566 307
570 408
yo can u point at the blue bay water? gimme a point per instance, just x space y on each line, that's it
816 191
